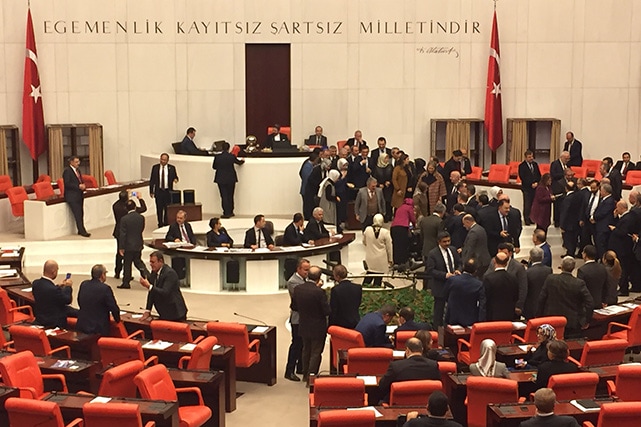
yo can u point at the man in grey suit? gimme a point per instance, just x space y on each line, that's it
369 202
130 243
475 245
430 226
536 275
294 356
515 269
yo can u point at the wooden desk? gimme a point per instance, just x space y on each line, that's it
21 280
164 413
194 210
508 352
389 418
599 323
5 393
212 387
19 295
451 337
83 346
511 414
14 261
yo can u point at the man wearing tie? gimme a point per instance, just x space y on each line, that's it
161 183
591 201
382 142
574 148
369 201
256 237
530 176
442 263
74 193
180 231
558 167
318 138
624 165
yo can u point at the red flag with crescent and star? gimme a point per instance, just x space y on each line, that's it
33 124
493 110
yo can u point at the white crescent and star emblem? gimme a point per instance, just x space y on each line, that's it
35 93
496 90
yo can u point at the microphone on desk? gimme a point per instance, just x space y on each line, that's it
250 318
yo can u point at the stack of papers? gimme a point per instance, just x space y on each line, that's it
100 399
368 379
398 354
612 309
188 347
457 328
389 329
367 408
586 405
55 331
260 329
174 245
157 345
11 272
66 364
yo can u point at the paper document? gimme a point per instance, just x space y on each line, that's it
260 329
518 325
136 316
100 399
367 408
368 379
27 289
188 347
524 347
390 329
217 346
157 345
398 354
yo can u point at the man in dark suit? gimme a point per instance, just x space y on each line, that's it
559 165
621 243
180 231
226 178
161 182
466 164
565 295
475 245
514 268
539 240
544 400
164 291
130 243
501 291
609 172
465 297
407 323
188 146
454 225
356 140
558 191
429 227
345 299
595 276
295 352
360 169
438 270
119 209
635 210
453 164
414 367
575 148
624 165
310 301
275 136
74 193
317 138
572 207
51 301
590 203
603 218
294 232
530 176
437 407
500 226
256 237
96 301
315 228
536 274
373 326
382 149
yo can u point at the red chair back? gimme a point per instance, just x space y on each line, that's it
114 413
499 173
544 168
627 383
154 383
111 179
118 381
43 190
33 413
89 181
116 351
200 358
580 385
514 170
632 335
343 339
580 171
5 183
413 393
592 166
603 352
481 391
477 173
61 186
342 392
21 370
236 335
43 178
619 414
369 361
499 332
287 130
32 339
17 196
446 368
343 418
7 313
633 178
557 322
170 331
340 144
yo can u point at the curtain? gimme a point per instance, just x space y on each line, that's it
519 140
555 144
96 166
4 170
56 153
464 135
451 138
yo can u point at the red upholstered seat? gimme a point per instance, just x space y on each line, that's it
592 166
580 171
633 178
446 368
89 181
10 313
118 330
172 331
35 340
61 186
477 173
43 190
236 335
287 130
413 393
544 168
514 170
343 339
483 390
630 332
619 414
343 418
580 385
116 351
21 370
557 322
43 178
17 196
5 183
499 173
113 413
118 381
342 392
499 332
200 358
109 176
36 413
626 385
602 352
368 361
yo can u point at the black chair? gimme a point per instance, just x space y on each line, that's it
177 147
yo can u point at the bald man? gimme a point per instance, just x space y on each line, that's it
52 300
501 291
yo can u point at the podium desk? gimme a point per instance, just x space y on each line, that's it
163 413
212 387
511 414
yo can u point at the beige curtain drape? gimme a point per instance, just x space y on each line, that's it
96 167
56 154
4 170
555 140
464 135
451 138
519 140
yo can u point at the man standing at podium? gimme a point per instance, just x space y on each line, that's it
226 178
74 193
161 183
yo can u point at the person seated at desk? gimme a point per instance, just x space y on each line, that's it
437 408
487 366
317 138
189 147
217 236
544 400
275 136
373 327
426 339
294 232
96 300
558 353
181 231
164 291
315 228
414 367
256 237
52 301
407 323
538 353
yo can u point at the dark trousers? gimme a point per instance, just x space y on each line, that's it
587 234
378 281
570 241
309 203
295 353
439 311
312 353
627 264
162 200
400 244
227 197
119 259
528 197
556 215
78 211
601 243
135 257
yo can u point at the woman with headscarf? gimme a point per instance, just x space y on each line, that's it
538 353
378 250
494 194
383 174
400 177
328 197
342 193
541 210
436 189
217 236
487 366
400 230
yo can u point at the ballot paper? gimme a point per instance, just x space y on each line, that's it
368 379
157 345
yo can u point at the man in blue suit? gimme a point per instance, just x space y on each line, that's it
465 297
373 327
539 240
189 147
226 178
51 300
96 301
441 264
602 219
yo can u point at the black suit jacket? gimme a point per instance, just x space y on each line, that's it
315 230
431 422
631 166
565 295
119 209
73 193
345 299
310 302
603 215
293 236
436 270
492 223
250 238
620 240
131 228
375 154
529 177
174 233
465 300
475 246
50 303
536 275
357 173
596 279
215 240
269 141
412 368
312 140
550 421
616 181
553 367
352 141
571 211
576 156
501 295
189 147
556 170
458 233
154 179
224 166
165 295
96 301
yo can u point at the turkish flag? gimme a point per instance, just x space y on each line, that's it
33 123
493 110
